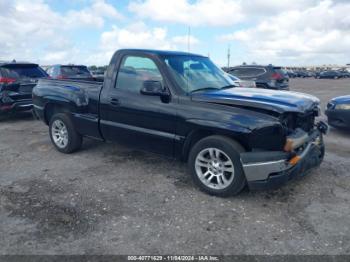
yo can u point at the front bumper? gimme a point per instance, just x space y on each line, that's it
270 170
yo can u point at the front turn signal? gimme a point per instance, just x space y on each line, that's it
294 160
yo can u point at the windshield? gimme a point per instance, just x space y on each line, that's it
71 71
194 73
24 71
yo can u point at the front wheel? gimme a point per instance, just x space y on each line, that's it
63 134
215 166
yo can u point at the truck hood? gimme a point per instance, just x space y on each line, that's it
272 100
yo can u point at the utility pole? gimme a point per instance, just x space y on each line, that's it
228 56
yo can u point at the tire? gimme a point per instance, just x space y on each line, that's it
66 140
206 166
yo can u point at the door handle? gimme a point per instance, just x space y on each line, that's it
114 102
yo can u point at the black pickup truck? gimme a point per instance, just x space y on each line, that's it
181 105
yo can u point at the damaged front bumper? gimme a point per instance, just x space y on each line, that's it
269 170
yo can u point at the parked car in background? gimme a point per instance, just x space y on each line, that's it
338 112
17 80
269 77
331 74
317 74
302 74
291 74
181 105
310 73
344 73
73 72
99 75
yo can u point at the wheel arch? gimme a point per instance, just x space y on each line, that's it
53 107
201 133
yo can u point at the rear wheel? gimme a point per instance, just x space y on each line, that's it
63 134
215 166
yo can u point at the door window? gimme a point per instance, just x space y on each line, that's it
134 70
247 72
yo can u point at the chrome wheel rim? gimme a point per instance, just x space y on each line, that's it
214 168
59 133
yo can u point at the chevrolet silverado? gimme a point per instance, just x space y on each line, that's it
181 105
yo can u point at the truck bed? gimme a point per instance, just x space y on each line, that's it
81 96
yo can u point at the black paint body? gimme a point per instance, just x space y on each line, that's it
172 122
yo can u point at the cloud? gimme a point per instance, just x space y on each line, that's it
30 28
213 12
259 8
269 31
94 15
194 13
136 35
317 34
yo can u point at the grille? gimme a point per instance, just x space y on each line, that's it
25 88
304 121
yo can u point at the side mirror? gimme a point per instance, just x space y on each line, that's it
152 88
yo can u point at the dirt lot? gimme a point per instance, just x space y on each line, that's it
107 199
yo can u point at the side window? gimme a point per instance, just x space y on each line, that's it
241 72
248 72
236 72
134 70
257 71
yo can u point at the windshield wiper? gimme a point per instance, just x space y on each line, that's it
228 86
205 89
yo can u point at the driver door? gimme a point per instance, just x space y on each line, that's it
129 117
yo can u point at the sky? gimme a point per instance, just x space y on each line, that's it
280 32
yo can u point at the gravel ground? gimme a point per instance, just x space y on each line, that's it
108 199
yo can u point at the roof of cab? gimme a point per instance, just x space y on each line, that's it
161 52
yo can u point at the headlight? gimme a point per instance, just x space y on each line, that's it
330 106
342 106
268 138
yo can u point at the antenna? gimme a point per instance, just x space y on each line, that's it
228 56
